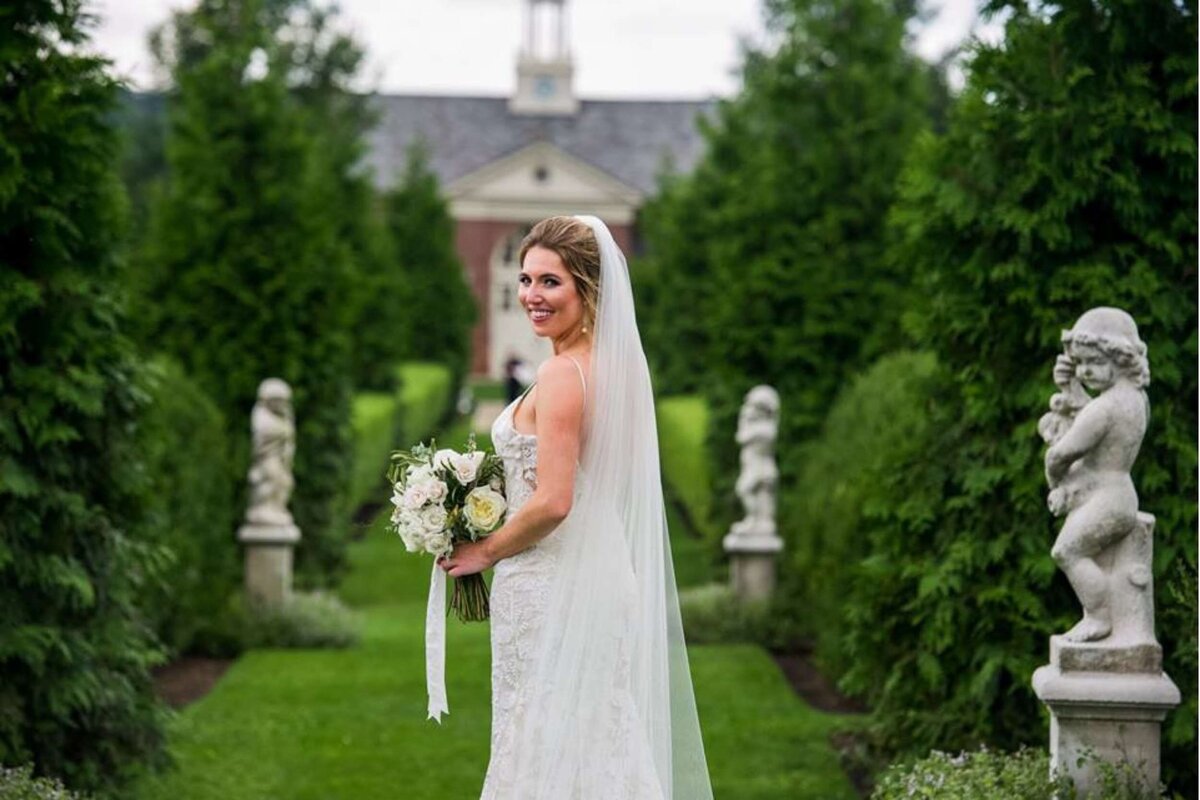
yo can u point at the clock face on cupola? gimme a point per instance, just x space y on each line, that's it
545 86
544 68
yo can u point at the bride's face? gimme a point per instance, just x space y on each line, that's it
548 294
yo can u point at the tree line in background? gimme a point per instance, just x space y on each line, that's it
247 243
900 265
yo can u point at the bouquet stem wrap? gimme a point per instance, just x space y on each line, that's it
435 645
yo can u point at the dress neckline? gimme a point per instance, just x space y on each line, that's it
511 411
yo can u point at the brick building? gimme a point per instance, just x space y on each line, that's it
506 162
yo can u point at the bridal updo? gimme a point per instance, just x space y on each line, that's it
573 241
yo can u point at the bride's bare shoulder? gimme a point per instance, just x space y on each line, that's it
559 375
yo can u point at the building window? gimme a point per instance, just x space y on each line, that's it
506 299
540 173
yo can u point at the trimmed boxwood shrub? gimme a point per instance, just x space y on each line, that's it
991 775
426 397
881 414
191 518
376 424
19 784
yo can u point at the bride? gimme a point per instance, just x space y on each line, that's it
591 694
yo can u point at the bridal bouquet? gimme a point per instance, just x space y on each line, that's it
442 497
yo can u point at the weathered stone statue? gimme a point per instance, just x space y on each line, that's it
269 532
1105 686
758 427
274 436
752 542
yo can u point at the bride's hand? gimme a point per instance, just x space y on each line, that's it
467 559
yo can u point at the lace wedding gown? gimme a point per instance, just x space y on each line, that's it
618 764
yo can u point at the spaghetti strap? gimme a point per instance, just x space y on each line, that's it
580 369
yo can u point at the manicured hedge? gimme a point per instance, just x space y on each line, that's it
376 422
426 396
191 518
881 413
386 421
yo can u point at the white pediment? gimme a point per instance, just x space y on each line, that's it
539 181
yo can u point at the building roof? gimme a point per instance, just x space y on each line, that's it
635 141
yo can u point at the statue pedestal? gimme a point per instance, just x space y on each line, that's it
1107 701
268 578
752 557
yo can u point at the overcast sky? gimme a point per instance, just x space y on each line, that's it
622 48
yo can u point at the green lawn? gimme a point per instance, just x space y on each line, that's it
326 725
351 724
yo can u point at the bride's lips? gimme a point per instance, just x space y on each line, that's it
539 314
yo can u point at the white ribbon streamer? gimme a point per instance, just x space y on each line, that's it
435 645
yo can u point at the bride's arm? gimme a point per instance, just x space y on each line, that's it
559 415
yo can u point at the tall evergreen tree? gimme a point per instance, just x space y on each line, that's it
247 274
439 308
322 62
1066 180
770 260
75 695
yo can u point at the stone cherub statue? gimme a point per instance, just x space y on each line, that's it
274 443
758 427
1103 547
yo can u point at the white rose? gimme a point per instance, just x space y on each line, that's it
412 538
442 458
438 544
419 473
433 518
414 496
466 466
435 490
496 484
484 509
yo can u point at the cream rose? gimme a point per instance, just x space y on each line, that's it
484 509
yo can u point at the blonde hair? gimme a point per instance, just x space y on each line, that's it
575 243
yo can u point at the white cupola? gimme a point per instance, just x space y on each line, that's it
545 71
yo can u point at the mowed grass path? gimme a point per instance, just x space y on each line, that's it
351 724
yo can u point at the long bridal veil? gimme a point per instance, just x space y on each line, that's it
612 686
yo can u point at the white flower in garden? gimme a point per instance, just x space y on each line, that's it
466 466
433 518
484 508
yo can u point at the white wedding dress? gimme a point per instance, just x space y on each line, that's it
616 763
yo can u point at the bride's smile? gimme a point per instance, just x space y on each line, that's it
549 295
